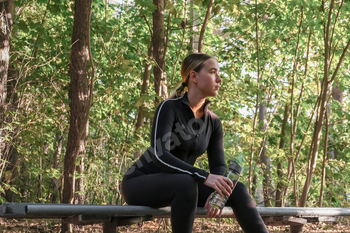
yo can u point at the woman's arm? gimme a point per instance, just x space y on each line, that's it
162 137
217 164
215 150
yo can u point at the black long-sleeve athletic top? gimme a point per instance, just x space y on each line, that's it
178 139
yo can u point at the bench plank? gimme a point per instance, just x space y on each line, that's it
112 216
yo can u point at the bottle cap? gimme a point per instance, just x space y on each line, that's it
235 166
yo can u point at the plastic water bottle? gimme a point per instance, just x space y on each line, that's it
233 173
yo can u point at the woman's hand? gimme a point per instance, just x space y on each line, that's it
221 184
211 210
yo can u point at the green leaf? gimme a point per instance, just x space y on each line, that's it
2 200
77 162
148 4
8 174
2 190
13 189
170 7
140 101
22 26
55 8
41 31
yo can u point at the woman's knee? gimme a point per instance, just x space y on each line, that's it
187 187
240 189
241 194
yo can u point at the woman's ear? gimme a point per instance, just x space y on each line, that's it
193 76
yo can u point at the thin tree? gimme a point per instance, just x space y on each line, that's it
325 86
6 22
159 49
144 90
81 87
324 159
204 26
315 108
337 95
252 147
194 27
292 120
280 185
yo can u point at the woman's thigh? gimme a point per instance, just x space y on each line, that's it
157 190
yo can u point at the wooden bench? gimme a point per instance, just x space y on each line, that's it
112 216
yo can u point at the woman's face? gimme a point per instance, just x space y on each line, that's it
207 79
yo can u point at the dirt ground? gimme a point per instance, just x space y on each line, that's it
160 226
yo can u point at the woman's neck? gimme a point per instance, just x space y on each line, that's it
196 103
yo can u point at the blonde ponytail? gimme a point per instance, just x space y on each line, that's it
191 62
179 91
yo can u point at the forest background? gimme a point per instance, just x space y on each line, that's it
80 82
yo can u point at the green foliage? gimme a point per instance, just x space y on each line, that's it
120 38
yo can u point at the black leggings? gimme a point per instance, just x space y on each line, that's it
184 194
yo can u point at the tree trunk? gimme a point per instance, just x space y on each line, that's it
159 50
158 42
40 175
8 153
265 159
206 20
56 165
7 10
292 162
80 93
323 177
279 197
337 95
79 183
144 90
292 121
316 142
252 147
326 84
194 28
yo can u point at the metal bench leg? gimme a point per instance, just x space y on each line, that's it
296 228
110 227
